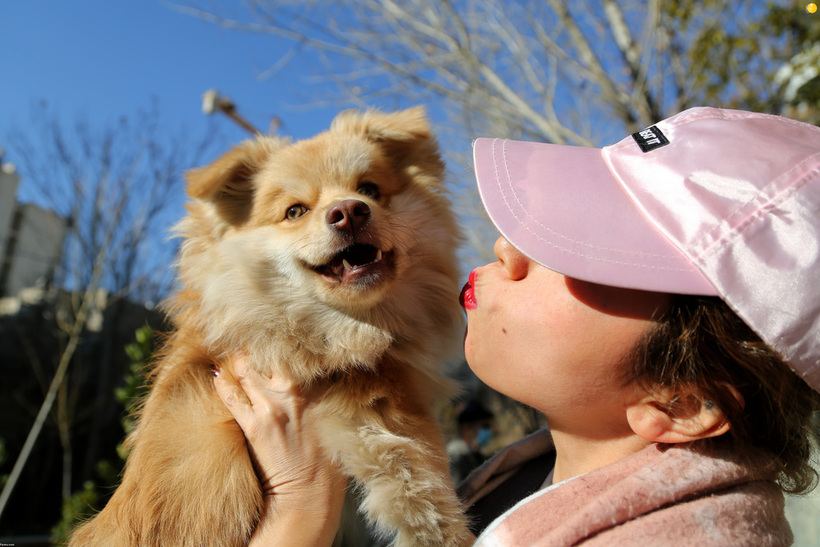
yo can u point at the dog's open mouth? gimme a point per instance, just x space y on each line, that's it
360 262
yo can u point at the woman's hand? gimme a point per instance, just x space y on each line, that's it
304 490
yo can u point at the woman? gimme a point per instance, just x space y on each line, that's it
654 299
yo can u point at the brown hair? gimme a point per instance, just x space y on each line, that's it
700 342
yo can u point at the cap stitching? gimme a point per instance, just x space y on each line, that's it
735 230
540 225
555 245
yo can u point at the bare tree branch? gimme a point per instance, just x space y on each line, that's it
59 376
120 188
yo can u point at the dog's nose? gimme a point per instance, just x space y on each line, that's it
349 215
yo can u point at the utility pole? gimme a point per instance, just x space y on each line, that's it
212 102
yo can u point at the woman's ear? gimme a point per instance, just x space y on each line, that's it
678 416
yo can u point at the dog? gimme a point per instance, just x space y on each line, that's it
330 260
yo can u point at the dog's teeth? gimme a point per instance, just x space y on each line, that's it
378 255
346 264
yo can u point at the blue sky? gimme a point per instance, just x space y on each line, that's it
97 60
105 58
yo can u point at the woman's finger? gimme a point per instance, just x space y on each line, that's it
233 397
261 390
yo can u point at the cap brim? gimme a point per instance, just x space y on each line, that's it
562 207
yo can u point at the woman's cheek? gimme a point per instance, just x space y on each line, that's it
477 348
469 343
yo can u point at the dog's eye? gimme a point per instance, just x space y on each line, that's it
295 211
370 190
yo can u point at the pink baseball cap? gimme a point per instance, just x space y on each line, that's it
710 202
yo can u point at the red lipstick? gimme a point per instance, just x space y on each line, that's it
467 296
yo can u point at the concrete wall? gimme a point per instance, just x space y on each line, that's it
31 238
9 180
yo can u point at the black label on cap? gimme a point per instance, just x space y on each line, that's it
650 138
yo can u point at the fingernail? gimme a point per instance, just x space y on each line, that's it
215 370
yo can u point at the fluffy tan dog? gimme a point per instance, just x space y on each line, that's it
330 260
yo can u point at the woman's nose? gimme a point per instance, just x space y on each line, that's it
515 264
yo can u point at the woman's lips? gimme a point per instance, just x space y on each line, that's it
467 296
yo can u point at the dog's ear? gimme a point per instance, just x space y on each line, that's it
404 136
228 182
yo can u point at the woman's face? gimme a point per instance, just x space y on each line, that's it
553 342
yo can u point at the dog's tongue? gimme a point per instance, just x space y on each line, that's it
354 257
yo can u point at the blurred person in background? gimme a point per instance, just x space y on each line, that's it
475 431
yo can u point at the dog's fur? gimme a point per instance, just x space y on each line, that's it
261 270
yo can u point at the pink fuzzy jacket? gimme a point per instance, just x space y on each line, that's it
663 495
